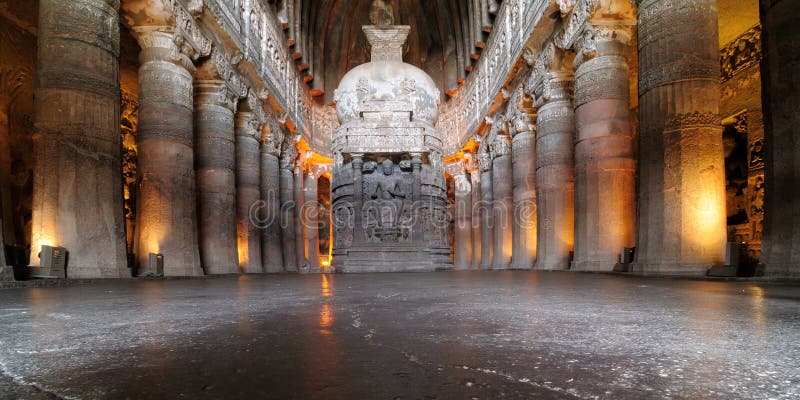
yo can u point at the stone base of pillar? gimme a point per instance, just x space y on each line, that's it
593 266
669 269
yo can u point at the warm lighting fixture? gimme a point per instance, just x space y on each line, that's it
53 263
155 264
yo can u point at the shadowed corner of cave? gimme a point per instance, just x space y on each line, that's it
403 199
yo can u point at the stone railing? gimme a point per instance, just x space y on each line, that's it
254 29
514 26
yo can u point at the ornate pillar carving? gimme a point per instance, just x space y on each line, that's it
248 191
475 181
311 221
522 128
486 207
299 221
272 177
215 104
605 202
462 237
77 200
682 226
503 197
287 222
555 178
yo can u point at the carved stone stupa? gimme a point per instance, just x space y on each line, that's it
389 193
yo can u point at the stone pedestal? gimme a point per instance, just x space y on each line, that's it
287 220
555 177
77 200
487 217
524 165
503 196
781 83
299 221
682 226
248 192
166 214
310 217
216 179
462 259
605 199
271 247
475 181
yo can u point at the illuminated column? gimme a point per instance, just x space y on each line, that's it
288 205
682 226
555 177
6 273
503 196
523 151
271 190
463 221
216 179
310 219
300 227
780 82
77 199
166 217
248 191
605 201
486 210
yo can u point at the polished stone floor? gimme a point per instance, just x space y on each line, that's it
483 335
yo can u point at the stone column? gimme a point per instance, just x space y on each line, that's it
555 176
605 201
523 152
310 218
166 214
475 181
299 222
77 199
248 191
486 211
216 178
682 225
287 221
6 272
781 86
463 222
271 193
503 201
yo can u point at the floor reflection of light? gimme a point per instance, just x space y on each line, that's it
243 323
327 286
326 318
757 301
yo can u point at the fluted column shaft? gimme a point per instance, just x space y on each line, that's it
248 192
311 215
299 222
475 181
503 202
682 229
271 189
462 259
524 166
555 177
605 201
216 178
487 218
77 199
166 212
287 221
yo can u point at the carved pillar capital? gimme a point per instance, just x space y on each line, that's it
214 92
247 125
220 66
552 77
597 41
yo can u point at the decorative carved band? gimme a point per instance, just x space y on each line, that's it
742 53
696 118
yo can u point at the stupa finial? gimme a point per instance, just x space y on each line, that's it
381 14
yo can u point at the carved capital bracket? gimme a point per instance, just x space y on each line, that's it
214 92
552 76
581 16
272 136
520 114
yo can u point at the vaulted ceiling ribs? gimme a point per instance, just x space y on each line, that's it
326 39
